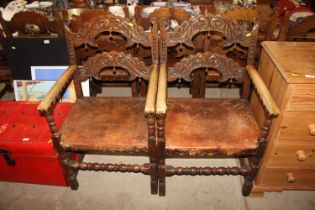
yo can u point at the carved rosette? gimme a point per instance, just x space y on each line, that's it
225 66
133 33
233 32
94 65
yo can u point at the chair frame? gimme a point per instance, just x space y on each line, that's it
92 68
183 34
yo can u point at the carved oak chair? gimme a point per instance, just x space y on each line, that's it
207 127
303 30
32 24
266 17
108 125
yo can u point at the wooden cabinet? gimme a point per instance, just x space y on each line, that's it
288 69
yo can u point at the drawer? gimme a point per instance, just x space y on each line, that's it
299 155
289 178
302 98
297 126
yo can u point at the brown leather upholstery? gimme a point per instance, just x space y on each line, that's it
105 125
210 126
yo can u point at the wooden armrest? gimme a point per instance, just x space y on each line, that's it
263 91
152 91
55 92
162 91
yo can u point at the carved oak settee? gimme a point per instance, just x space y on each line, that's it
157 126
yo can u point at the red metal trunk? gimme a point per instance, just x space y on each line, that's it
26 149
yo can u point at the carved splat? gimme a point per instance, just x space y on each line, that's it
227 68
94 65
97 25
234 33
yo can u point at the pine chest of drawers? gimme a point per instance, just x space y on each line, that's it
288 69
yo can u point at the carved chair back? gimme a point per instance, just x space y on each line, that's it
170 13
77 16
32 24
199 68
174 16
302 30
247 17
112 65
243 15
107 40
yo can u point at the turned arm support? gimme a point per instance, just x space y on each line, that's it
152 90
161 107
263 92
55 92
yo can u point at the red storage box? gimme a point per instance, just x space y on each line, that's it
26 149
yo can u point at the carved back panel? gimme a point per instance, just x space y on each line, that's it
113 65
170 13
32 23
97 66
213 65
221 36
226 68
228 34
105 32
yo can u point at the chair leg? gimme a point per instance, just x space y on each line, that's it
73 182
7 88
255 161
248 185
162 180
154 179
161 153
151 123
70 172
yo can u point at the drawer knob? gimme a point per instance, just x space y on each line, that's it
301 156
291 178
311 129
